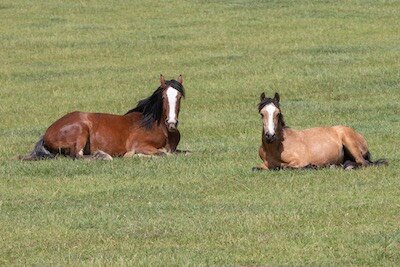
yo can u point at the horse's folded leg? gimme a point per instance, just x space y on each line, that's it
262 167
78 155
311 166
349 165
130 154
141 155
163 152
184 152
101 155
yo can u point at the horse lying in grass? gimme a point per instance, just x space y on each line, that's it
150 128
283 147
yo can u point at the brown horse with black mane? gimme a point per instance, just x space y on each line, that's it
150 128
283 147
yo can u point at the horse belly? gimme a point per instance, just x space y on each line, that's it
109 138
325 152
117 135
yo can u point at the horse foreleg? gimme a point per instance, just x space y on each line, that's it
261 167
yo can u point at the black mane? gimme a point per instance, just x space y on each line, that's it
152 107
267 101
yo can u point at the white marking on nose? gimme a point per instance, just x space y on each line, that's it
270 108
172 97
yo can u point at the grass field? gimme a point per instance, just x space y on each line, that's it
333 62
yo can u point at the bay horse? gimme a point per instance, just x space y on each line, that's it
283 147
151 128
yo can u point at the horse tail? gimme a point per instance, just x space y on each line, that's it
378 162
39 152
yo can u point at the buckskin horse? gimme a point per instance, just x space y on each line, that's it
150 128
283 147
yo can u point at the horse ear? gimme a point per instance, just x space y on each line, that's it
262 96
162 81
277 97
180 79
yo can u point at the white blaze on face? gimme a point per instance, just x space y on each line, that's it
172 94
270 109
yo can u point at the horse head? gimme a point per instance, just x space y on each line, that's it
272 118
172 93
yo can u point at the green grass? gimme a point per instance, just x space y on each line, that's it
333 62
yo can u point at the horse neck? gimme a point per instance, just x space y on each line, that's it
280 137
136 118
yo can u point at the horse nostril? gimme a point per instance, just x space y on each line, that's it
270 137
172 127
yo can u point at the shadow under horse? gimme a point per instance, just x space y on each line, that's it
151 128
283 147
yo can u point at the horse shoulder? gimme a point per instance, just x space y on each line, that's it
134 119
292 138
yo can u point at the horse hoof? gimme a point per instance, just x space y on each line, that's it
349 165
349 168
187 152
130 154
255 169
101 155
141 155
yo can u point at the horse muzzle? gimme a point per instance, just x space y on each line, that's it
270 138
172 126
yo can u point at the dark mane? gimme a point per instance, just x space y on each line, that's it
152 106
267 101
